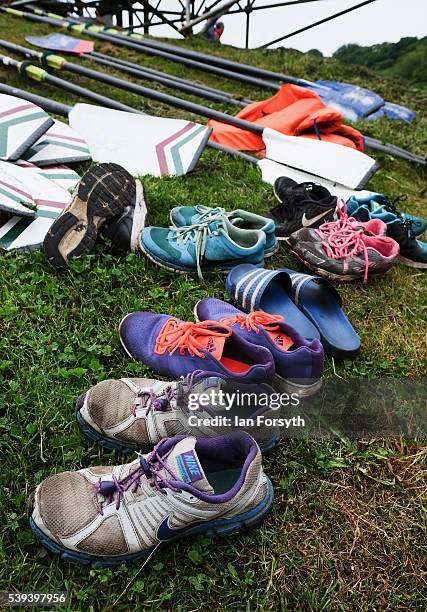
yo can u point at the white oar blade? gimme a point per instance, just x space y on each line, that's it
22 123
63 176
15 196
59 145
22 233
142 144
33 194
327 160
271 171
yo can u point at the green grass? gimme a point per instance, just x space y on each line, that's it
348 526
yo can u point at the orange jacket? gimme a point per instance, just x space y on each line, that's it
294 111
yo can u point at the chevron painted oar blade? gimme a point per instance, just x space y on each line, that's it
21 125
26 218
29 194
22 233
62 175
59 145
142 144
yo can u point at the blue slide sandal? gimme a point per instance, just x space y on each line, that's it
306 302
255 288
322 304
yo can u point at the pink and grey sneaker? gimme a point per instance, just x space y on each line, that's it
346 249
298 361
174 348
186 486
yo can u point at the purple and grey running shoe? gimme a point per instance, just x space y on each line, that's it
185 486
175 348
298 361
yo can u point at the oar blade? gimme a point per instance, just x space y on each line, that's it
62 42
272 170
142 144
59 145
328 160
25 218
29 193
22 123
352 101
62 175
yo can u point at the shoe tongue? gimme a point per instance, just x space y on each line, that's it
213 345
185 464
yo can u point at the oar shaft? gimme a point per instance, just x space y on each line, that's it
142 48
200 86
141 73
56 61
212 60
48 105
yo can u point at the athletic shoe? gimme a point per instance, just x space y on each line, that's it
413 252
345 253
379 206
298 362
218 245
125 229
182 216
301 205
102 193
173 348
186 486
134 414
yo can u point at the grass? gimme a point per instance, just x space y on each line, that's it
348 526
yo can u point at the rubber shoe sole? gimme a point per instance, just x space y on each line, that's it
103 192
338 277
220 266
216 527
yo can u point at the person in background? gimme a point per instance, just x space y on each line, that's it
214 31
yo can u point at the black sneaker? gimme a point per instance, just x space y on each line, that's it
301 205
102 193
125 229
413 252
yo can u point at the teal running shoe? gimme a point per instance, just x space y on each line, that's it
182 216
218 245
379 206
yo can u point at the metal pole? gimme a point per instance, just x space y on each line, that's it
313 25
247 11
219 10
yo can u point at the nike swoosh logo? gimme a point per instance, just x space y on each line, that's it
164 532
307 222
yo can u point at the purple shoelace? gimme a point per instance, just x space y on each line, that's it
151 468
154 402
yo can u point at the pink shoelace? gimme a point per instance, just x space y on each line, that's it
342 239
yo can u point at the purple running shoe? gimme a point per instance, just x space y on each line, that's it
298 361
174 348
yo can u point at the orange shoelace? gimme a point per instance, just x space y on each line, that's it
254 321
180 335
